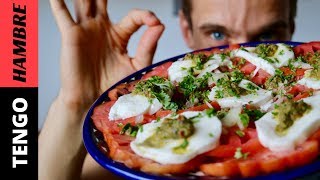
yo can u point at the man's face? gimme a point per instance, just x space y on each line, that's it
219 22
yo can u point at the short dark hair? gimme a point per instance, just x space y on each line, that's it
186 7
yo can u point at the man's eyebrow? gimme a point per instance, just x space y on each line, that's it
213 27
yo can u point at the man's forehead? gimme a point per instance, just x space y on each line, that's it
235 15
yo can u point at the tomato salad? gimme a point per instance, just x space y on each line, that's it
240 111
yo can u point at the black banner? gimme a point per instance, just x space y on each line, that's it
19 109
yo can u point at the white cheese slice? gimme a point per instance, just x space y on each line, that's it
296 134
131 105
179 69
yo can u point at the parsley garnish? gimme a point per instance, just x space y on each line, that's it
228 86
245 119
195 90
254 114
129 130
157 87
239 154
211 112
240 133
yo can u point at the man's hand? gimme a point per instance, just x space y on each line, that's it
94 51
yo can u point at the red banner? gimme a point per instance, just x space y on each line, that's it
19 43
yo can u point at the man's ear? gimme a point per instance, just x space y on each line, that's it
186 30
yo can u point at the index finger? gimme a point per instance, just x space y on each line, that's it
61 14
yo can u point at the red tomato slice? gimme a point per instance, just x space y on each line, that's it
247 68
300 91
304 49
303 154
249 168
316 136
222 151
161 71
233 46
226 168
261 77
202 107
252 146
163 113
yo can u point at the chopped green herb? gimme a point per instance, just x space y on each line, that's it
240 133
211 112
129 130
211 135
157 87
140 128
252 87
281 53
245 119
181 148
254 114
239 154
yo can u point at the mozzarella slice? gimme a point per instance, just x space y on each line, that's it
255 60
232 117
296 134
256 98
179 69
309 82
204 139
281 58
282 55
131 105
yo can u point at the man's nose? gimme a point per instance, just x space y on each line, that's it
239 39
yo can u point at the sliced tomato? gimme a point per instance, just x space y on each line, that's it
100 115
222 151
249 168
202 107
261 77
252 146
123 140
316 136
161 71
234 140
227 168
300 91
163 113
269 162
233 46
304 154
306 48
300 73
247 68
250 133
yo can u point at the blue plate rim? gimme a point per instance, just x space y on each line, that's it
128 173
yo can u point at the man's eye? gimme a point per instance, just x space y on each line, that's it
266 37
217 36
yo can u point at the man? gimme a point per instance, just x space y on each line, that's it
94 56
208 23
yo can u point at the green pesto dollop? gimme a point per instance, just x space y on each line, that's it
171 128
287 113
314 73
266 50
